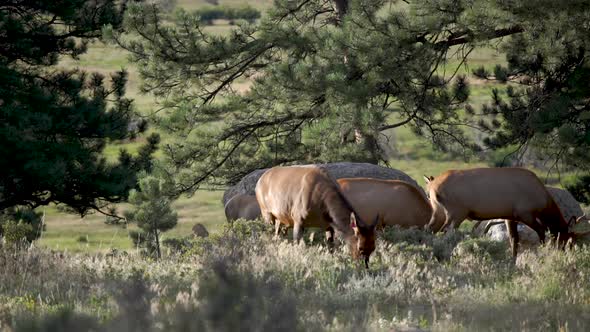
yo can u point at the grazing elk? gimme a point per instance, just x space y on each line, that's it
395 202
307 197
242 206
514 194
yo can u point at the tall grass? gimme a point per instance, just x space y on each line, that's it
243 279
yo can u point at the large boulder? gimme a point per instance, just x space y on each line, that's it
567 203
247 185
498 232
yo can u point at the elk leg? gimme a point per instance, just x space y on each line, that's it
297 231
513 234
268 218
277 228
453 219
436 220
330 235
540 230
330 238
530 220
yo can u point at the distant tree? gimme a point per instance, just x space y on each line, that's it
330 77
55 123
248 13
152 212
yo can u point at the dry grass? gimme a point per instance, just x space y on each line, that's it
242 279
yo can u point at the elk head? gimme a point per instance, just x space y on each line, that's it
571 237
363 241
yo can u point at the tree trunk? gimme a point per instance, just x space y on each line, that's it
158 252
341 7
370 142
157 237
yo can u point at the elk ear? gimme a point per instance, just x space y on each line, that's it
581 218
571 222
428 178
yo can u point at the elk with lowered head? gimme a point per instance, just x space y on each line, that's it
514 194
301 197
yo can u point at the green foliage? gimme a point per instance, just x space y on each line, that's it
439 246
16 233
328 84
55 123
244 229
20 223
579 187
152 212
548 106
320 93
482 249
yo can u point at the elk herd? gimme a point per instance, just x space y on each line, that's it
353 208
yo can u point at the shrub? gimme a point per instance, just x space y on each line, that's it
20 223
441 245
15 233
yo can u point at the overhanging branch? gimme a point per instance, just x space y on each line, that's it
466 38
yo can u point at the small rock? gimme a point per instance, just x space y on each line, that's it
200 231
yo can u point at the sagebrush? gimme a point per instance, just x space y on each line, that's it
243 279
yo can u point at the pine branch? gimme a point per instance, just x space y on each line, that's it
464 37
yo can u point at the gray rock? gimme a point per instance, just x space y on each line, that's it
527 236
567 203
199 230
247 185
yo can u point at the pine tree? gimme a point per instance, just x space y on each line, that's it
54 123
329 77
152 212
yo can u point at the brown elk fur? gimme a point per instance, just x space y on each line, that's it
514 194
301 197
395 202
